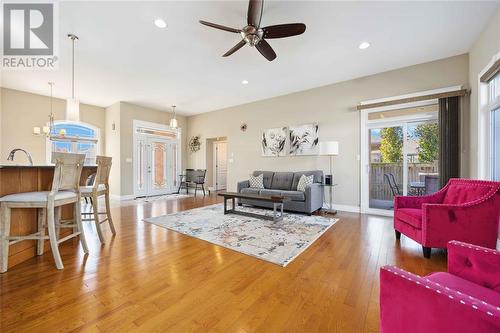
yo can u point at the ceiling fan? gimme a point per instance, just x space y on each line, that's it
254 35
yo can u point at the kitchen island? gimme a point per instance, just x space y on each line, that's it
29 178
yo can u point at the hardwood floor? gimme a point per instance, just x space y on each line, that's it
150 279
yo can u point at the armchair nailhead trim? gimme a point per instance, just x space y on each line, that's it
475 247
445 290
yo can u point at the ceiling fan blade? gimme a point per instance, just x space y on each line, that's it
266 50
218 26
255 12
234 48
284 30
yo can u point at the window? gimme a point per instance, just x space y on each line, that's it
74 137
494 109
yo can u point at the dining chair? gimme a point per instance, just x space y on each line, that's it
100 187
64 191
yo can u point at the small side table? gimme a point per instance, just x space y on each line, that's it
330 198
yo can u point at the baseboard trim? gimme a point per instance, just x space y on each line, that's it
345 208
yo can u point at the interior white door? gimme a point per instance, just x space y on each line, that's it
220 165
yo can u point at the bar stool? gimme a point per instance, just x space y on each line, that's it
99 188
65 190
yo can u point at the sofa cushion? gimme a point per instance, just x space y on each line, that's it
282 181
466 287
268 177
250 190
462 193
318 177
269 193
411 216
294 195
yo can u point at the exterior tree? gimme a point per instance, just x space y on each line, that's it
391 144
428 142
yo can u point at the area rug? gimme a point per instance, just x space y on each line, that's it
277 242
172 196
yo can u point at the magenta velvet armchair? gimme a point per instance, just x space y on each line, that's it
464 299
465 210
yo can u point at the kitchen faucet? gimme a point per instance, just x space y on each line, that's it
13 152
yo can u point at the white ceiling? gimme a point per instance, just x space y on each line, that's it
123 56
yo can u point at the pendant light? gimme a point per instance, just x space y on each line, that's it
173 121
72 104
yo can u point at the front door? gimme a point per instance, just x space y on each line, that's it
156 166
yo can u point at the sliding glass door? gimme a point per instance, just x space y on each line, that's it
400 155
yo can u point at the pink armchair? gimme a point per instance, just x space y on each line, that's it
465 210
465 299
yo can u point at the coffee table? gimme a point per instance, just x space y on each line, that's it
277 201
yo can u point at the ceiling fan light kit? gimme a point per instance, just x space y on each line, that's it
254 35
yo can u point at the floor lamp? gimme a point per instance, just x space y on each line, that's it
329 148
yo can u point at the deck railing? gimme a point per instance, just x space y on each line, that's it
379 188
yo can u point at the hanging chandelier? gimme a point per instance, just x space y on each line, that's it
47 129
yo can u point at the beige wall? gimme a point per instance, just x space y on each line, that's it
21 111
129 113
332 106
483 50
113 146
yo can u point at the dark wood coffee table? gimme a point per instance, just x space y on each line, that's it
277 201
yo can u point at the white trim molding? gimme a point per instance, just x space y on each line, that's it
483 124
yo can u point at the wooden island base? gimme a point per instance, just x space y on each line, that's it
20 178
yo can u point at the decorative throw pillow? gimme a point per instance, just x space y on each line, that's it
304 181
257 181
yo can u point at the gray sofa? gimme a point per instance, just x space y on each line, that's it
285 184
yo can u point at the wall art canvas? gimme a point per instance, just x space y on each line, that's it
304 139
274 142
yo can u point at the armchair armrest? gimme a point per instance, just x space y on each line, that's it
242 185
417 202
406 299
474 263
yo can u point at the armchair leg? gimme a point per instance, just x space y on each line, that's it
398 234
426 251
203 188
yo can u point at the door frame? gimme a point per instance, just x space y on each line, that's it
154 126
214 166
365 125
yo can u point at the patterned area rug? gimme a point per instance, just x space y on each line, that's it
172 196
276 242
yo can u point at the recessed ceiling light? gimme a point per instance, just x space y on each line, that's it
364 45
160 23
244 82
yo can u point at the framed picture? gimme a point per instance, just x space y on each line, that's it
274 141
304 139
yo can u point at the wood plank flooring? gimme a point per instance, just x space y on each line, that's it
149 279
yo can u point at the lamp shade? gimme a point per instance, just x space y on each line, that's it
72 109
329 148
173 123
